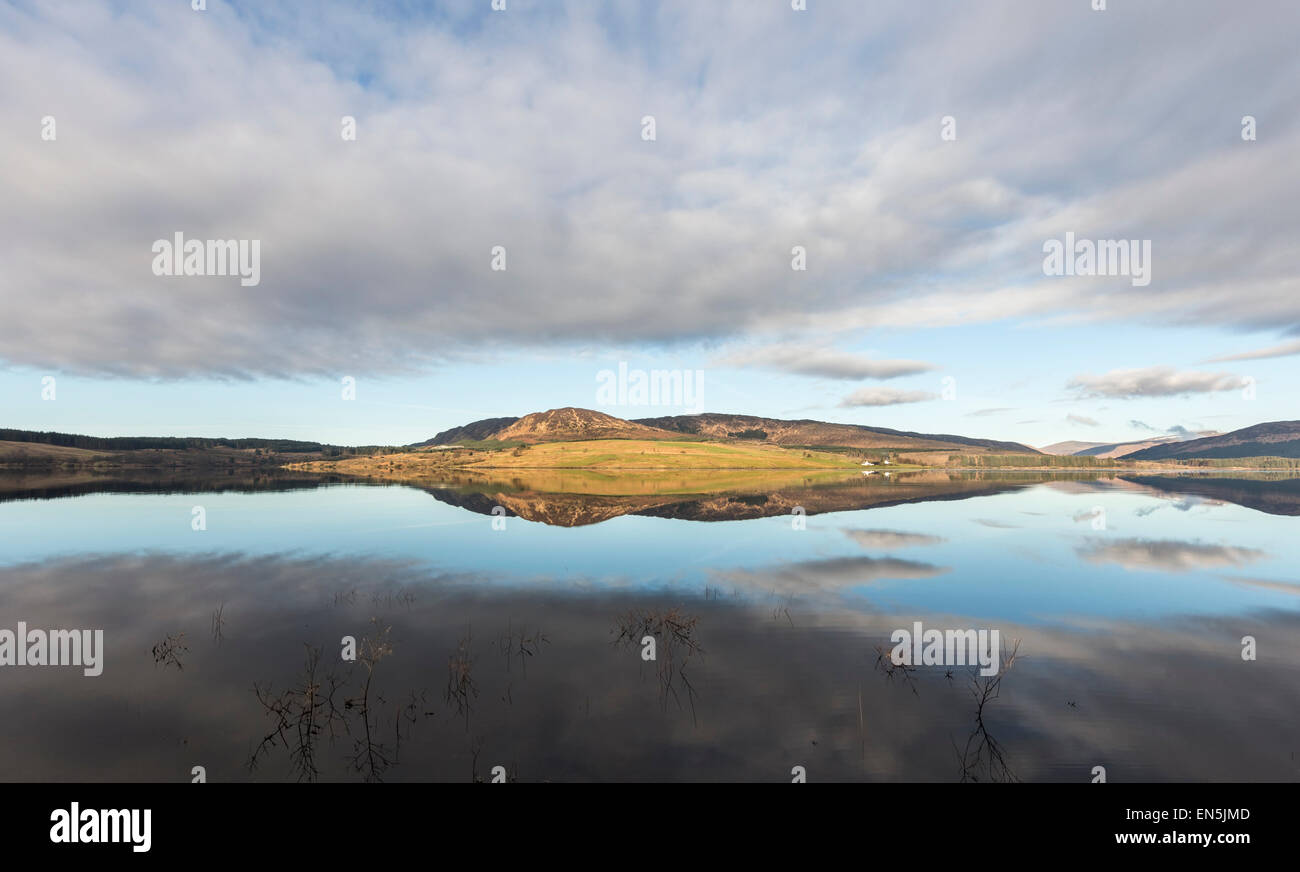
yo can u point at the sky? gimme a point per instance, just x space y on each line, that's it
537 195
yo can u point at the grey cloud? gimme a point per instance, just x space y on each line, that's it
1288 587
885 540
1153 381
829 576
885 397
1286 349
525 134
1166 555
825 362
584 710
1081 419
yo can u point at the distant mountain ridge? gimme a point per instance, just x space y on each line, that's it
1069 448
570 424
1124 449
1273 439
1111 450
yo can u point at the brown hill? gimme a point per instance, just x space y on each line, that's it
476 430
807 432
1112 450
1070 447
570 424
1274 439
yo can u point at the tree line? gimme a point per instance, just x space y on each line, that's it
182 443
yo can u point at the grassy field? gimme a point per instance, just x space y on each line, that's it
653 454
599 455
20 451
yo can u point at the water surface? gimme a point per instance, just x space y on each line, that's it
513 639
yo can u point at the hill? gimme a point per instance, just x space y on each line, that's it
476 430
808 432
1273 439
1124 449
1072 447
570 424
160 443
1111 450
29 451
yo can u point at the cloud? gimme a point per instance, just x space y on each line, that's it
1286 349
798 682
1165 555
1153 381
825 362
1081 419
982 413
885 397
1142 425
1288 587
522 130
829 576
886 540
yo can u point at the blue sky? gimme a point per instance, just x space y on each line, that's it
525 129
994 396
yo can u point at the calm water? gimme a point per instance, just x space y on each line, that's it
513 640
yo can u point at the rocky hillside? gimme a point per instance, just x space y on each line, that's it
555 425
570 424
